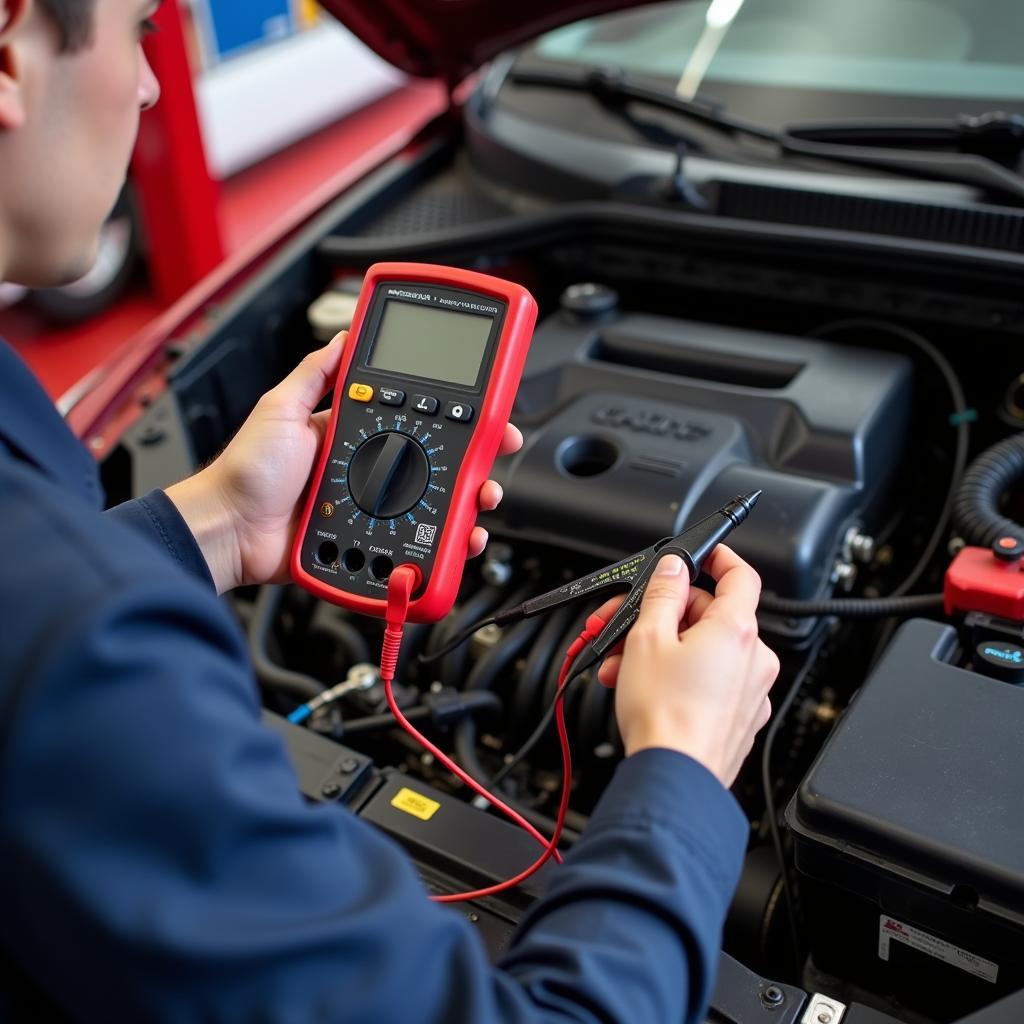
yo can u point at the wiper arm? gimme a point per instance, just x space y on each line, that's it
996 135
615 89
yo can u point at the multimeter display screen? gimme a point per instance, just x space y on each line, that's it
424 341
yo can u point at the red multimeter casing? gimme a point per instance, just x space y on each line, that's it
423 393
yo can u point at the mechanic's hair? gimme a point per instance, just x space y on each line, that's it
73 19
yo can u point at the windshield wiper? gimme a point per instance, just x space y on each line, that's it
997 135
979 142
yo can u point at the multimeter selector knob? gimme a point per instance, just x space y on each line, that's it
388 474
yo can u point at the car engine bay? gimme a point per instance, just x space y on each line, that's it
869 386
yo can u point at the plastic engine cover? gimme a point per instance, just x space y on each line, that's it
637 425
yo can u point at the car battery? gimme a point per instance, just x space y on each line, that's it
909 832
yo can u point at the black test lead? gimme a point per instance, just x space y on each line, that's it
693 545
599 638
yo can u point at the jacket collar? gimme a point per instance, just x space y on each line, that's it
34 431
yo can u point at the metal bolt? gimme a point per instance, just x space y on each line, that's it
497 564
362 676
823 1010
772 996
487 636
474 918
331 790
862 546
844 575
349 765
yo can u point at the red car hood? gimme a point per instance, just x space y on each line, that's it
450 39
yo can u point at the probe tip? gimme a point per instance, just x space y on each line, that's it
739 508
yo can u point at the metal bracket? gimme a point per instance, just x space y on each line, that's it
823 1010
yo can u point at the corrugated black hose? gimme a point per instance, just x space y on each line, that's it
976 514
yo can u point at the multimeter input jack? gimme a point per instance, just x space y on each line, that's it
381 568
353 560
327 553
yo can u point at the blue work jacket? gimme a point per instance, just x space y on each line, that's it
157 862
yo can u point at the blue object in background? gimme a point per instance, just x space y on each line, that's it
237 25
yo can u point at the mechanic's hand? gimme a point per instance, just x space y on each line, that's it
693 675
244 508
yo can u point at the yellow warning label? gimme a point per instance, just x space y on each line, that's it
416 804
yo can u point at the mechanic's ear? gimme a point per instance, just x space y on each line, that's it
12 110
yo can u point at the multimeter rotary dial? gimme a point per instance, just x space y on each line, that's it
388 474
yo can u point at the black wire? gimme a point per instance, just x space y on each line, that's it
769 799
476 703
542 727
477 606
853 607
963 435
465 748
547 649
459 639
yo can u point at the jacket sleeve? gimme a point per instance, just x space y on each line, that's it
155 517
160 864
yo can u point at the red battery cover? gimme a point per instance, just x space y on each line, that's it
435 599
978 581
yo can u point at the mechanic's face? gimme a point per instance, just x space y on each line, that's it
68 123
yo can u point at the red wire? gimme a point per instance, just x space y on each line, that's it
404 580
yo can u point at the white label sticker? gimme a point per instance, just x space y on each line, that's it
891 930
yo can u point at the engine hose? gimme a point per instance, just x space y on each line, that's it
465 750
483 675
547 743
548 646
853 607
595 713
485 600
976 505
491 665
475 703
344 636
271 675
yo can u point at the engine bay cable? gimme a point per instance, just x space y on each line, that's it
542 727
976 505
456 641
771 812
852 607
269 674
401 585
960 418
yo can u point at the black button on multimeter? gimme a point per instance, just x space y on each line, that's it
390 396
424 403
459 411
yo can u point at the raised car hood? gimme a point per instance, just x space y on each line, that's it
449 39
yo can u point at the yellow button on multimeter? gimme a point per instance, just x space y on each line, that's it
360 392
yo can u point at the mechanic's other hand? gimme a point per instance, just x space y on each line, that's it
693 675
244 508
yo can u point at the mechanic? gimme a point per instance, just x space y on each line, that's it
157 860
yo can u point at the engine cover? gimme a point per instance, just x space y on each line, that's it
636 425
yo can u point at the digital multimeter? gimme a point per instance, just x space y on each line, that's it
423 393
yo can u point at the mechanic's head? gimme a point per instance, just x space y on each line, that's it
73 79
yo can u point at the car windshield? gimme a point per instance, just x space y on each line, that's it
971 51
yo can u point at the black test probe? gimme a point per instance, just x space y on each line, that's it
634 572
